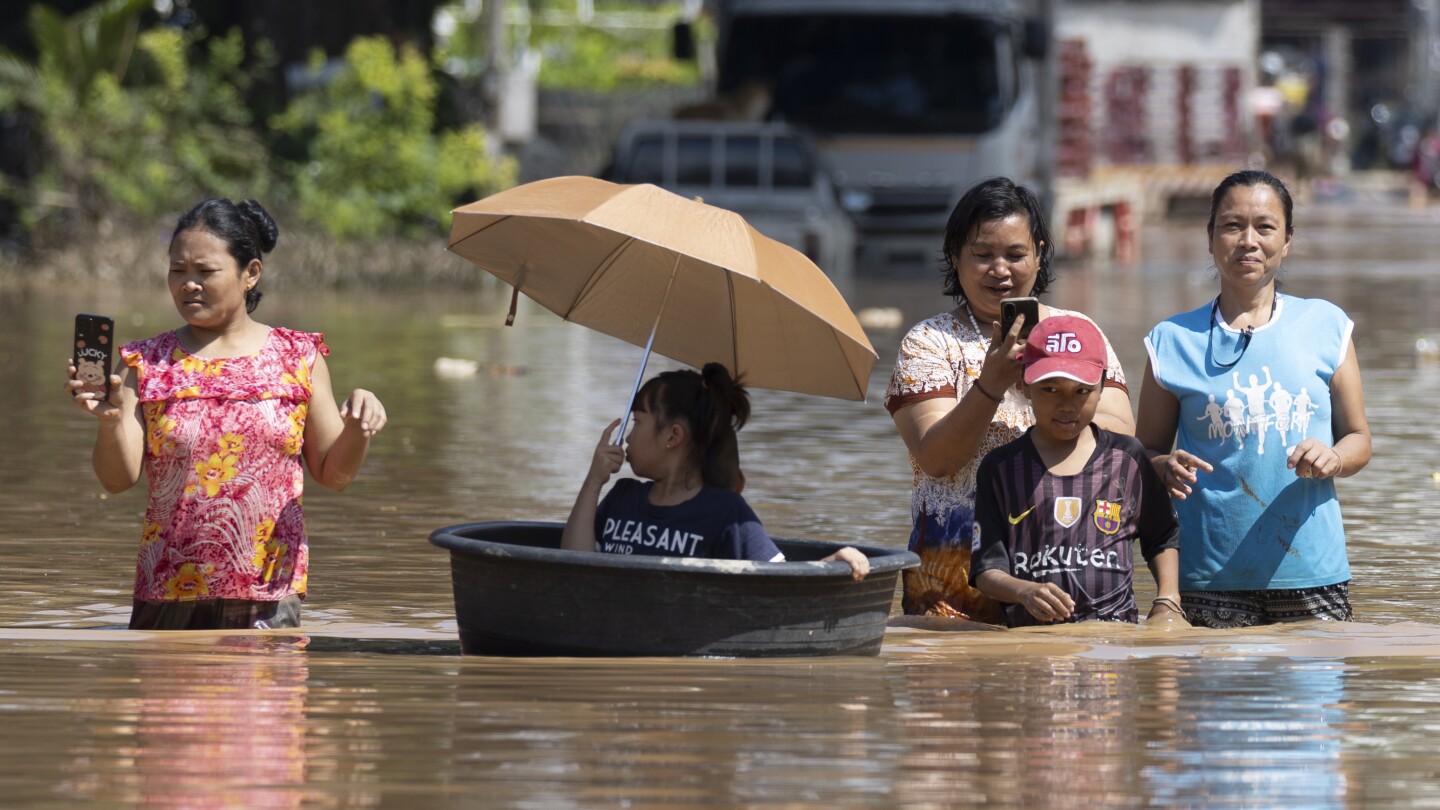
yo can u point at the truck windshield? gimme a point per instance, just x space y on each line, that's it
861 74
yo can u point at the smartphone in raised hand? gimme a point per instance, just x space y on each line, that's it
1012 308
94 352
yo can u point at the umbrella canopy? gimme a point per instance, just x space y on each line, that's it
638 261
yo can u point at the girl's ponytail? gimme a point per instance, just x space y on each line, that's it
726 410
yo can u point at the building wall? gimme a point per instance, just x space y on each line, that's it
1163 31
1167 80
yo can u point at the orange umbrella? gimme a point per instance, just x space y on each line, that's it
691 281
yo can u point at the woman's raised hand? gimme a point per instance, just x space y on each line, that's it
93 402
1002 367
363 409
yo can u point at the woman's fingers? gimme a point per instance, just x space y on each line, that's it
1178 478
1180 471
92 402
1314 459
1003 359
1016 343
1193 462
363 408
72 385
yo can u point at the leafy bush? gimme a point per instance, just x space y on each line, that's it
181 135
126 122
374 164
579 57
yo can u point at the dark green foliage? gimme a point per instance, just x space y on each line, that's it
374 163
127 125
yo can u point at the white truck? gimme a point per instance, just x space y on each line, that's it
768 173
910 101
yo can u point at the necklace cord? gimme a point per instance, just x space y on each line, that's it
1246 334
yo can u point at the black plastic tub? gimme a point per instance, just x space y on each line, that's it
517 593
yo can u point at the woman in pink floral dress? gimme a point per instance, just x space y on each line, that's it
219 415
953 394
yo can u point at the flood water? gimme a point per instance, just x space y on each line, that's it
371 705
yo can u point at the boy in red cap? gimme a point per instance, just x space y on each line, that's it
1058 508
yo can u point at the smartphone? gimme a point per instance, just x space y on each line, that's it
1011 308
94 352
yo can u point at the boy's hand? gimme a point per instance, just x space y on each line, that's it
608 457
1047 602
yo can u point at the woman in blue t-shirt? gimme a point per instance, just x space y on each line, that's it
1251 407
684 442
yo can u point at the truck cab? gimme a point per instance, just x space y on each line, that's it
911 101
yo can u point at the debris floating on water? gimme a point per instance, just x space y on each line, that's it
881 317
1427 350
455 368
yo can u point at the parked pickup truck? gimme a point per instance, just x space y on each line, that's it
768 173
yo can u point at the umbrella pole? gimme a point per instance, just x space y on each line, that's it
645 358
635 389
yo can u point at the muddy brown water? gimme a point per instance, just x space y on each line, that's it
370 705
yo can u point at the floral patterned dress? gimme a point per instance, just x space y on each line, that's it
941 358
223 462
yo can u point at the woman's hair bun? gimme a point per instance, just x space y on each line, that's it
264 224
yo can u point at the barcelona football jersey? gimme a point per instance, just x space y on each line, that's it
1075 531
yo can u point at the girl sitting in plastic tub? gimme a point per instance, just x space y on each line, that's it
684 442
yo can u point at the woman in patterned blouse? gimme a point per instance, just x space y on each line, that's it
953 394
221 415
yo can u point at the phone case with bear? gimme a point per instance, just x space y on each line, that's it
94 352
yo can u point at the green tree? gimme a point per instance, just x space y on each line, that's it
626 45
374 164
128 126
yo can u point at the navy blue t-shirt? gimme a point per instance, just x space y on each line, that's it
715 524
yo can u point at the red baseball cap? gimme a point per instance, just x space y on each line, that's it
1065 346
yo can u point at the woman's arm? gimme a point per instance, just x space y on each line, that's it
120 440
579 532
1312 459
943 434
1114 413
336 440
1165 568
1155 428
